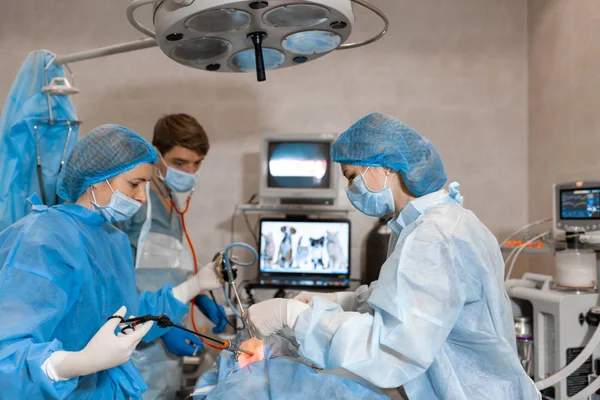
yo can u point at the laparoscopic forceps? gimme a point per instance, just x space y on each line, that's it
163 321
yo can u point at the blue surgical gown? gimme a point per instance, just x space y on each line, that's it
63 272
438 320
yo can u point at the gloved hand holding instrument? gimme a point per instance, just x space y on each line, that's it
182 343
104 351
163 321
212 276
230 274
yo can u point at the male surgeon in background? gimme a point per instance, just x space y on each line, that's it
156 236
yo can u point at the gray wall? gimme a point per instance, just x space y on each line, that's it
456 71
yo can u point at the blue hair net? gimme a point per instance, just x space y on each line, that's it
380 140
103 153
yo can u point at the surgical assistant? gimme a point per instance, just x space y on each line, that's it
157 240
65 270
437 321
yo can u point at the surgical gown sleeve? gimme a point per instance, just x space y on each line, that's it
37 287
416 302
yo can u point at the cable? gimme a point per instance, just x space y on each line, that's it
195 258
248 226
588 391
573 365
252 198
518 252
193 250
229 270
514 254
514 249
228 300
538 222
221 311
226 260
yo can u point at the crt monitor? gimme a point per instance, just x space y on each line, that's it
297 169
305 247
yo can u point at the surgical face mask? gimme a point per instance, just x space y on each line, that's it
120 207
369 202
176 180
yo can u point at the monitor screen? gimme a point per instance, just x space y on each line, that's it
299 165
580 204
305 247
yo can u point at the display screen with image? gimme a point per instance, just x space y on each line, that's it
299 165
308 247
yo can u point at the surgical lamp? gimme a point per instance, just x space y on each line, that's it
242 35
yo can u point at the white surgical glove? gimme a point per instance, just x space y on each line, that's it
307 297
269 317
104 351
207 278
347 300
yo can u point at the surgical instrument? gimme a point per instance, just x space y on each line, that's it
163 321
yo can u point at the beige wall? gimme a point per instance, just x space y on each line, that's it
564 97
454 70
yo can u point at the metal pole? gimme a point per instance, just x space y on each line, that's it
106 51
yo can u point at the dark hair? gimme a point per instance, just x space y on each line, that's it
180 130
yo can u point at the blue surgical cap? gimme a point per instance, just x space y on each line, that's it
380 140
101 154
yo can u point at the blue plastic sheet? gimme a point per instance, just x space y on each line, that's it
281 375
27 106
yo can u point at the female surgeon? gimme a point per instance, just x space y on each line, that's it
65 270
437 320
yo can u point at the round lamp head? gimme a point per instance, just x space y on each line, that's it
210 33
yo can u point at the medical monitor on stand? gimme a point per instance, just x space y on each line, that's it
556 316
576 208
297 170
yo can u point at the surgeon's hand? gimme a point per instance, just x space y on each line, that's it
104 351
213 311
182 343
307 297
270 316
347 300
208 278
